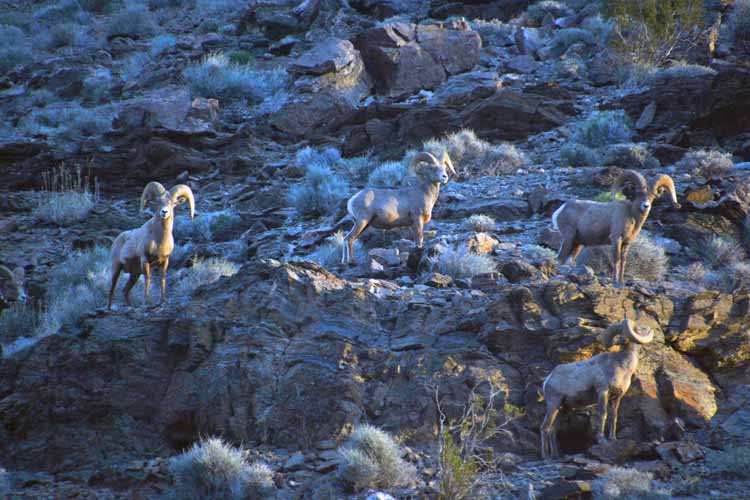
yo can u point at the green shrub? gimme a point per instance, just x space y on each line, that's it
372 459
578 155
602 128
472 156
213 470
682 70
721 252
67 197
564 38
388 175
479 223
536 13
651 31
321 191
463 263
215 76
211 224
706 163
134 21
15 48
646 259
458 480
609 196
241 57
620 483
629 156
161 44
739 22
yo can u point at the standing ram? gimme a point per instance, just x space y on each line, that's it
137 250
604 376
589 223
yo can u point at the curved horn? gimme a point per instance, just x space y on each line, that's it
630 176
608 335
665 181
152 190
183 191
639 334
6 274
448 163
423 156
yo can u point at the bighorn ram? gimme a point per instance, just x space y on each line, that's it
11 286
607 374
135 251
584 222
392 208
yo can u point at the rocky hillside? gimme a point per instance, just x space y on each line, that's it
413 373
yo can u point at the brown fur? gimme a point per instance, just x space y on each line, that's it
589 223
137 250
392 208
607 375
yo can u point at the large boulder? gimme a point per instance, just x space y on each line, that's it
330 83
405 58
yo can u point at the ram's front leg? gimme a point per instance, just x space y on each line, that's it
418 229
146 270
164 280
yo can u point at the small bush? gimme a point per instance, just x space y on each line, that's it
721 252
479 223
600 28
329 254
60 12
739 22
706 163
97 85
493 32
220 7
578 155
463 263
621 483
15 49
163 4
474 156
564 38
602 128
67 198
134 21
204 272
373 459
215 76
19 320
211 224
679 71
609 196
241 57
388 175
321 190
98 6
68 121
65 35
646 260
161 44
359 167
536 13
629 156
650 32
213 470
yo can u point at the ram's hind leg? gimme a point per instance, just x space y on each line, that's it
132 280
359 226
116 270
577 247
566 248
602 408
547 429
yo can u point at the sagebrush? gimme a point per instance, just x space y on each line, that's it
472 156
463 263
214 470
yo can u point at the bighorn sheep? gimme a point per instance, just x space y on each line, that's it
392 208
584 222
11 286
607 374
135 251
